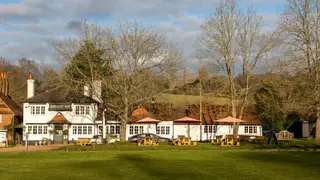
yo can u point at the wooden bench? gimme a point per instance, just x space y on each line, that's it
259 139
285 135
84 141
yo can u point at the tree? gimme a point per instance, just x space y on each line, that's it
138 57
300 22
232 37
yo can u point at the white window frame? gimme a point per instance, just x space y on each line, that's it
167 130
131 130
37 109
158 130
89 129
117 130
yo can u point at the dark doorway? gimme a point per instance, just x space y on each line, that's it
57 139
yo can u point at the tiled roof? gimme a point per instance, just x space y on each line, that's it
11 105
60 95
59 119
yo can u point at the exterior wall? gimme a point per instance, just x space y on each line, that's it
6 120
34 120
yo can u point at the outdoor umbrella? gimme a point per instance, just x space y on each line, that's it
187 120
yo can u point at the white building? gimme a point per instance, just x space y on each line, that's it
172 129
60 115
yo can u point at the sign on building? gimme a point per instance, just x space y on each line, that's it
60 107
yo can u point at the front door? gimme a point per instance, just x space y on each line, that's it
57 135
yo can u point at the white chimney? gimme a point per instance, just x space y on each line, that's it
96 88
86 90
30 84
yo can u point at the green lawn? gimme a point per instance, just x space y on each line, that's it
160 164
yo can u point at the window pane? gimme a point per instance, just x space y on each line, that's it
136 128
131 130
210 129
250 129
39 129
112 130
205 129
33 110
82 110
30 129
214 129
141 129
43 110
34 130
85 129
45 129
163 130
117 129
158 130
246 129
89 129
79 129
74 129
77 109
167 129
37 109
255 129
87 110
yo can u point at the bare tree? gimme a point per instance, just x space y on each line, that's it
300 22
137 56
232 37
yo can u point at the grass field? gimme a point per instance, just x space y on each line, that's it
184 100
162 164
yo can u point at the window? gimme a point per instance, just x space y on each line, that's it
210 129
77 109
167 129
111 129
34 129
250 129
107 129
131 130
29 129
82 110
74 129
117 129
39 129
141 129
84 129
158 130
87 110
43 110
162 130
136 128
36 110
89 129
79 129
45 129
254 129
205 130
246 129
214 129
33 110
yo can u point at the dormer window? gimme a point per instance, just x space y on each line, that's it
82 110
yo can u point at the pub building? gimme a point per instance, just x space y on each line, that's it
61 116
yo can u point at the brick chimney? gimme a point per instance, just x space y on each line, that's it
96 87
30 88
4 83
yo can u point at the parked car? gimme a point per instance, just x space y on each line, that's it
153 136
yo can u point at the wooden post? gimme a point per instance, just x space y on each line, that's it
200 108
26 142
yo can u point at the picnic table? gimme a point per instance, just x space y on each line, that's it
147 141
230 141
183 141
84 141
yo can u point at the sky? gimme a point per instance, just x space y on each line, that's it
28 28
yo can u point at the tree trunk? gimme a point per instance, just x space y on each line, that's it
124 124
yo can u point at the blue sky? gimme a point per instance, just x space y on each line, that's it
28 28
